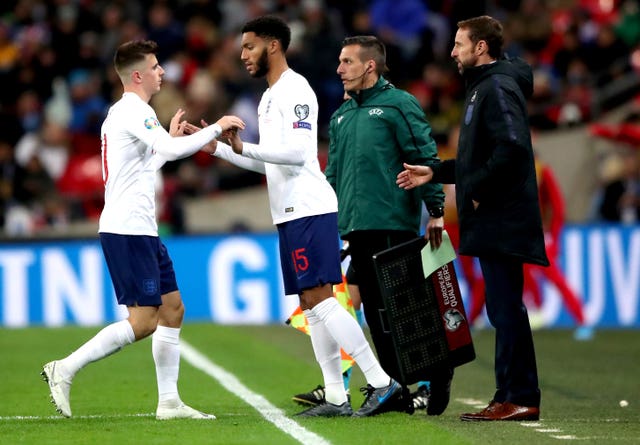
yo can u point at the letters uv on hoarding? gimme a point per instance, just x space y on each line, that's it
236 280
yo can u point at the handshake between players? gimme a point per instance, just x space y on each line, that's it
230 126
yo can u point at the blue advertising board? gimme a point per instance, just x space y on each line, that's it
235 279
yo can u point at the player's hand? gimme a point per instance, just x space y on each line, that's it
413 176
209 148
230 126
229 122
435 226
176 126
233 139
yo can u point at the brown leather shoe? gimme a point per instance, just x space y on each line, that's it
503 411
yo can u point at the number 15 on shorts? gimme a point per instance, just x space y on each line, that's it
300 260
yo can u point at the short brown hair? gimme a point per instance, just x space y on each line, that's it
485 28
132 52
371 48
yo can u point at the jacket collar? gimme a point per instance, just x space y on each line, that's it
473 74
515 68
363 95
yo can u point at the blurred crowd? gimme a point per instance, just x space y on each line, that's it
58 82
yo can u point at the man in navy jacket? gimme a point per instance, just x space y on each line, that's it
497 202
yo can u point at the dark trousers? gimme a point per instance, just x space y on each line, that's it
363 245
515 360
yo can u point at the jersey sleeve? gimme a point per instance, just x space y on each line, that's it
146 127
224 151
299 119
142 123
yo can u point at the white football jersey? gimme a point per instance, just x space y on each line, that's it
134 147
288 151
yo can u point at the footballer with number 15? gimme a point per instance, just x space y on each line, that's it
304 209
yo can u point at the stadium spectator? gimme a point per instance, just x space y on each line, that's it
88 107
530 25
436 91
628 24
621 195
50 144
29 111
402 26
41 41
7 179
608 56
571 50
321 37
163 28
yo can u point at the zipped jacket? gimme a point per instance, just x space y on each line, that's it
495 167
371 135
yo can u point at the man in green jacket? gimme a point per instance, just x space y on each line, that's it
377 129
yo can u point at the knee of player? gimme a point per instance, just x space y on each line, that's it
309 299
145 327
171 314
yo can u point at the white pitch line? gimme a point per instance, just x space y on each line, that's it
471 402
474 403
231 383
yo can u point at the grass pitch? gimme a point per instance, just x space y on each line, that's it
113 400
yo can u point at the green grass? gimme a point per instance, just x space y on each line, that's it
581 382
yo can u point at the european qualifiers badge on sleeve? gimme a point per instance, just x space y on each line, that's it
424 312
301 112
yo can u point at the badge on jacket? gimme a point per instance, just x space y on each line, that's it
469 112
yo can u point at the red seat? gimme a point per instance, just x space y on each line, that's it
82 181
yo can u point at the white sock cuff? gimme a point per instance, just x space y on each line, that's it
167 334
311 317
323 309
335 393
126 336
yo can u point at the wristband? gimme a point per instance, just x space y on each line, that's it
436 212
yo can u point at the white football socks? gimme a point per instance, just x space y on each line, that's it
165 346
109 340
327 353
348 334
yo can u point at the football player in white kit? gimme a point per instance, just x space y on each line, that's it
304 209
134 147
